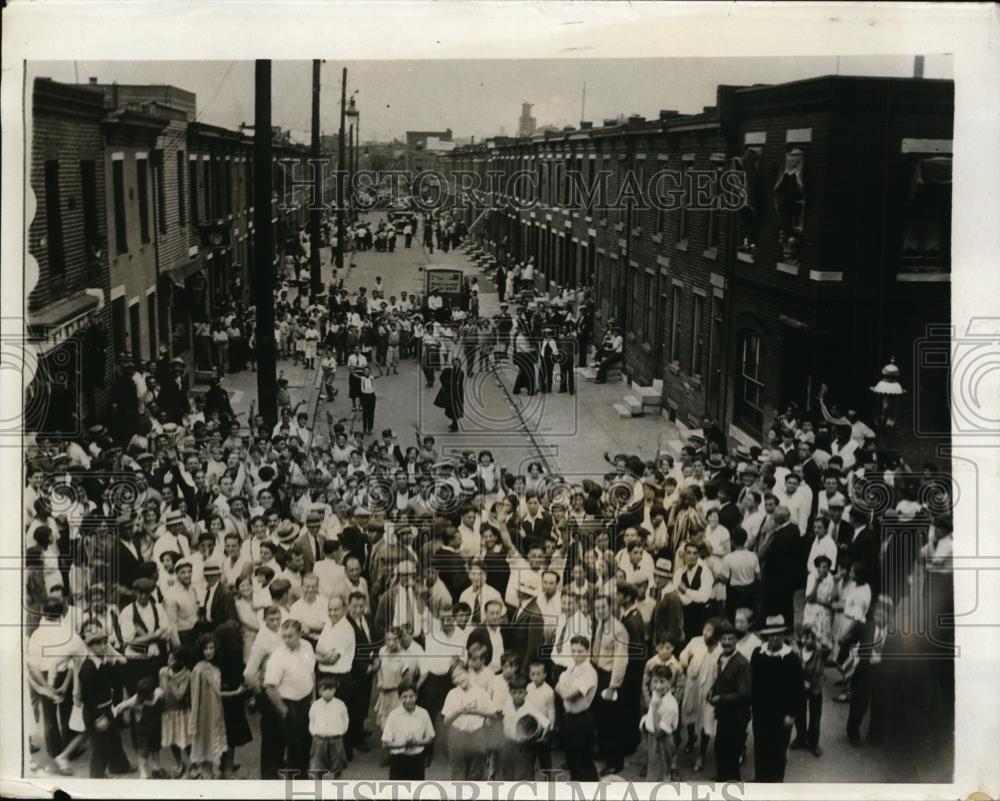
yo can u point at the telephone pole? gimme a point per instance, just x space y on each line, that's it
314 212
341 232
263 250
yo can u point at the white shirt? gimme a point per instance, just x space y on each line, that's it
328 718
824 546
402 727
313 616
580 679
486 594
291 672
443 649
339 638
475 697
331 575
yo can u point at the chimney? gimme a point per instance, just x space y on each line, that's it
635 119
586 125
610 122
93 81
666 114
918 66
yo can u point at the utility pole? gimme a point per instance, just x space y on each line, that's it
314 212
350 169
341 232
263 250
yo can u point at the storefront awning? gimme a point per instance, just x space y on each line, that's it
56 322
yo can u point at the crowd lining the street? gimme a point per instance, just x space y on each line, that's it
186 573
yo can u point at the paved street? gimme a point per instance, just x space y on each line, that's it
570 431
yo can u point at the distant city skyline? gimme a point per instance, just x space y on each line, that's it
475 98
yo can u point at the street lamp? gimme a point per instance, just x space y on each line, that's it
889 390
352 162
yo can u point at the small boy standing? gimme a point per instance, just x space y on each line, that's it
543 698
328 721
407 733
664 657
523 726
658 726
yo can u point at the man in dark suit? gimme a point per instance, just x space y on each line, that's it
536 525
668 616
841 531
450 564
729 513
730 695
861 546
779 556
811 472
525 633
126 567
631 690
491 635
362 672
310 541
217 605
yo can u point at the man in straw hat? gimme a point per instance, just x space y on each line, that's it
776 682
730 695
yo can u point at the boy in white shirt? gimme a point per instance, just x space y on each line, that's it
328 721
407 733
543 698
523 726
658 726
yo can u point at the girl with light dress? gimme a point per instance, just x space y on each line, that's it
699 659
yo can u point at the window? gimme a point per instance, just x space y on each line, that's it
227 189
53 219
161 192
697 306
790 204
181 196
118 189
193 190
714 236
927 218
682 219
675 325
206 177
749 400
749 165
88 200
637 306
649 333
141 178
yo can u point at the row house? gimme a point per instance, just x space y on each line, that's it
143 227
836 262
66 273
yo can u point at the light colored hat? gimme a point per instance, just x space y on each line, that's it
775 624
212 567
663 568
406 568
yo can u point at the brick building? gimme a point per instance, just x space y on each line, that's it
838 262
68 313
422 152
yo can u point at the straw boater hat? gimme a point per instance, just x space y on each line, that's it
406 568
775 624
286 532
212 567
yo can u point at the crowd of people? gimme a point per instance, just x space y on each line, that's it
205 586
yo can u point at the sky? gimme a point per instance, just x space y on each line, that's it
478 98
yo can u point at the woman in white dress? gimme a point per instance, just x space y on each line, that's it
699 659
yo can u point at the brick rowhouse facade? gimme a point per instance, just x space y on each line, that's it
839 263
67 312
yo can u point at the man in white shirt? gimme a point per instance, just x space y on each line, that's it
577 686
469 529
329 570
335 647
799 505
550 601
289 679
478 593
311 609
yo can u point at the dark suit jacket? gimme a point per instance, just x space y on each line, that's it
733 687
364 649
305 547
452 571
730 517
842 536
540 529
482 636
126 566
524 634
780 566
668 620
223 607
636 628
